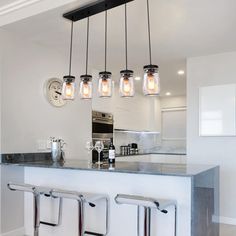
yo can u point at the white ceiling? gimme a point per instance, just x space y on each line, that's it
180 29
6 2
7 6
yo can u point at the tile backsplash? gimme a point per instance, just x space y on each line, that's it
145 141
149 142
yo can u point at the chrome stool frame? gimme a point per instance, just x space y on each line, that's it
147 204
82 199
37 192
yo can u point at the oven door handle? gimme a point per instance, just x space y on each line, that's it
102 139
101 121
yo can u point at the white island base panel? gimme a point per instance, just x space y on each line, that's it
123 217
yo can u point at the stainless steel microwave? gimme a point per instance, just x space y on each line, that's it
102 125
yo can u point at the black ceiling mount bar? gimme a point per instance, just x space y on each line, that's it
93 9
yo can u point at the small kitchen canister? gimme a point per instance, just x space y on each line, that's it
57 149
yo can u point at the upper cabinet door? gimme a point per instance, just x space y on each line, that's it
217 116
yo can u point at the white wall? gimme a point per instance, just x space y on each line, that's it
205 71
1 45
173 102
12 203
26 115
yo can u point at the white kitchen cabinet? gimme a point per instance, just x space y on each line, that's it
163 158
140 113
131 114
135 158
174 124
155 158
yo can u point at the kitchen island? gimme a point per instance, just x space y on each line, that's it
194 187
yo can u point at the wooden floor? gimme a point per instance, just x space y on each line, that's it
227 230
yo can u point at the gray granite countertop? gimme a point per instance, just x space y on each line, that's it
36 160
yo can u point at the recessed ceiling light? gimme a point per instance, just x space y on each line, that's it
181 72
168 94
137 78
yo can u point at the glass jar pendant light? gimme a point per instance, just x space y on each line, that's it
105 84
127 79
151 81
105 77
127 83
68 87
86 87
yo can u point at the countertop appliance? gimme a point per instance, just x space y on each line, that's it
130 149
102 130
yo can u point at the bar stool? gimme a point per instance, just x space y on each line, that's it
37 192
147 204
82 199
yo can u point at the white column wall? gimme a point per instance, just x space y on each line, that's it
206 71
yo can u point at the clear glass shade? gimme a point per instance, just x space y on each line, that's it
151 82
86 87
127 84
105 84
68 88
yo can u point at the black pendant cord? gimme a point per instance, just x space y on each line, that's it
126 39
149 32
87 47
105 41
71 46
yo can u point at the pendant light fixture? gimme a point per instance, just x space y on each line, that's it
68 88
151 82
126 80
105 81
86 80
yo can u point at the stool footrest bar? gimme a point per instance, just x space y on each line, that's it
93 233
59 216
48 224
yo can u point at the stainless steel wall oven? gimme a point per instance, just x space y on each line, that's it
102 130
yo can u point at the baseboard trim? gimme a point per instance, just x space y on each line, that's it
224 220
16 232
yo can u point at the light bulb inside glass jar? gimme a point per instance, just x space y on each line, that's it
68 88
126 83
151 82
86 87
105 84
